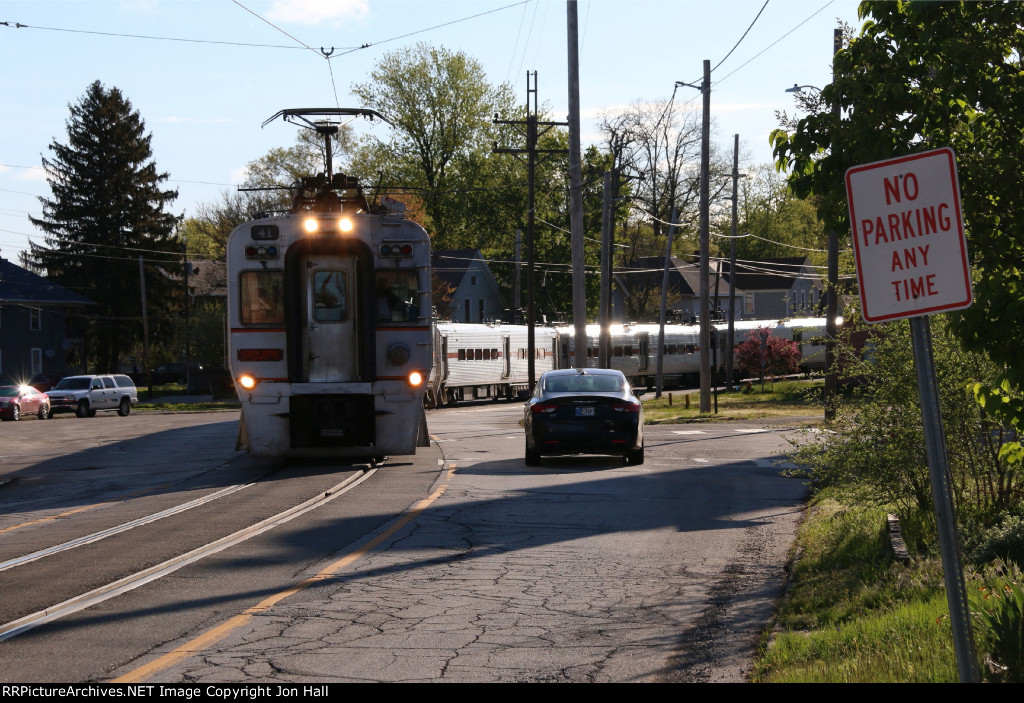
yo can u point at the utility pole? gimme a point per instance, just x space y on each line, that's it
579 283
611 193
145 330
604 312
730 342
705 208
832 307
533 130
705 235
664 303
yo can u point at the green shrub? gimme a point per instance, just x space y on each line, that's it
998 602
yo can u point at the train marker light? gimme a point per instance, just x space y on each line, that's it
247 382
310 224
415 378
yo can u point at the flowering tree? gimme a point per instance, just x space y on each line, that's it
764 354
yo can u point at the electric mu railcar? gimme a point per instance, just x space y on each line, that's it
329 313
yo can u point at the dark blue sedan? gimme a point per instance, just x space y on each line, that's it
584 411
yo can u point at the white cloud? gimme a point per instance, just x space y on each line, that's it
311 12
36 174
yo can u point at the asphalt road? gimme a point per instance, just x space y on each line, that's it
460 564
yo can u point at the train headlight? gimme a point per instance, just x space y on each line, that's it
415 379
345 224
310 224
247 382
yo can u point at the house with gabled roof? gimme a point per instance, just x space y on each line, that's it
39 327
644 277
778 288
475 295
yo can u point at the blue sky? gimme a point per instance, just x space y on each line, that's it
204 74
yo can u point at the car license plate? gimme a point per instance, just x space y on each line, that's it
585 412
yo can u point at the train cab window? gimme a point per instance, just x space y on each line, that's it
330 296
261 297
397 296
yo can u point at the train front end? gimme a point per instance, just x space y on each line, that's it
330 340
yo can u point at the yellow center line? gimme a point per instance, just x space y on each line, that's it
215 634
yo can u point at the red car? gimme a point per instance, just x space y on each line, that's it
16 401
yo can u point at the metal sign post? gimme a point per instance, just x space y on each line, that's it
912 262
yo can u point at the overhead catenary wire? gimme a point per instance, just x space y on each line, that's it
743 65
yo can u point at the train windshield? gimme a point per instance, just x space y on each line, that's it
261 297
397 296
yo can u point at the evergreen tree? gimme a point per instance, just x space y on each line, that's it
107 209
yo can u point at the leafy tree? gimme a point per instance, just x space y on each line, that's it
661 143
781 223
922 75
264 189
106 210
441 107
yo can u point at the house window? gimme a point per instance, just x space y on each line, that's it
37 360
472 280
465 307
35 319
481 307
748 304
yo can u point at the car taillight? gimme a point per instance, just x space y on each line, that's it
538 408
626 407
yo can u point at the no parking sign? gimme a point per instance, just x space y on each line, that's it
908 236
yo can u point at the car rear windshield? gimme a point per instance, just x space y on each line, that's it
584 384
72 384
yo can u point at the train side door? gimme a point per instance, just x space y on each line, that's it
506 352
644 341
331 310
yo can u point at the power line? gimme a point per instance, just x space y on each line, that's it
770 46
18 25
429 29
741 38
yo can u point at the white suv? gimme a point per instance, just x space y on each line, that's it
84 395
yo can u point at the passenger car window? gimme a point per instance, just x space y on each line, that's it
108 382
